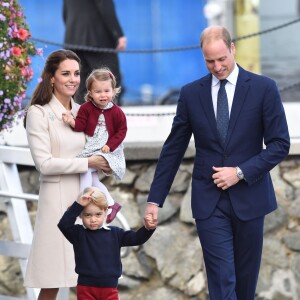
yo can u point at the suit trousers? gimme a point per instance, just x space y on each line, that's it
232 252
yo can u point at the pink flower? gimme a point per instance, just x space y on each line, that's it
23 71
39 52
23 34
16 51
29 73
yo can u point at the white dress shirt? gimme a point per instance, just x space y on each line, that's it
229 87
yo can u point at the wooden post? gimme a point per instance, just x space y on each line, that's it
247 22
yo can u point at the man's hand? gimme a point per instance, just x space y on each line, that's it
122 43
150 216
225 177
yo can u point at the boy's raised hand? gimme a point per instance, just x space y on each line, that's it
85 199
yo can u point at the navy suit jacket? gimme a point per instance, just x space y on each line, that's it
257 118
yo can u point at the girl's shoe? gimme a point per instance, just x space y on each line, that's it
115 208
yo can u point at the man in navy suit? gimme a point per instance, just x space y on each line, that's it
232 189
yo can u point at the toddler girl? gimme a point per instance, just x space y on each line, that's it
104 124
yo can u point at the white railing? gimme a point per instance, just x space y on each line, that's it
12 195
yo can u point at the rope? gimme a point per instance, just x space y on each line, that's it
110 50
185 48
267 30
288 87
281 90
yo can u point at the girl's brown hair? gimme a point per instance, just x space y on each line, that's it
101 74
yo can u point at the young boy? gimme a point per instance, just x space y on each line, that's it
96 246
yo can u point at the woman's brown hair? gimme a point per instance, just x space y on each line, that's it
43 92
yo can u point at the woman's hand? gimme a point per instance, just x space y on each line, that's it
99 163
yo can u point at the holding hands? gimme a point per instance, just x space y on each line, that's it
150 216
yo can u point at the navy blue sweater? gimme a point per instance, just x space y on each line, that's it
97 252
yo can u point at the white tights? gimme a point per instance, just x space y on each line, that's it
91 178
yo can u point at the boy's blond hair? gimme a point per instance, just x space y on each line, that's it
98 198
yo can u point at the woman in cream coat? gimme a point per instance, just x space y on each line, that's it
53 146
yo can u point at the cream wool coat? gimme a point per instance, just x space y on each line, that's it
53 146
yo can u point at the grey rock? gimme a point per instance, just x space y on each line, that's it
293 177
275 219
292 241
143 183
185 208
274 253
161 268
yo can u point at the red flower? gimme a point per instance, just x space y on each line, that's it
16 51
15 61
23 34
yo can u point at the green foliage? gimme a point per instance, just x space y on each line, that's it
16 51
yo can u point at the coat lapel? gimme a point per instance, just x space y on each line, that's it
57 108
207 103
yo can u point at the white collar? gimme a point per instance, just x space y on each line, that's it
104 226
108 106
232 77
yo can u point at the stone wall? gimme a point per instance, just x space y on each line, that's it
170 264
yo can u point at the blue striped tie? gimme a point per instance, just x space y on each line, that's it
222 111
